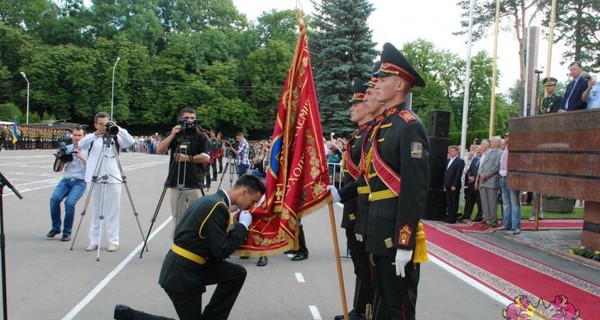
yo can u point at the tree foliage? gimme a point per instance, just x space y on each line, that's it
341 48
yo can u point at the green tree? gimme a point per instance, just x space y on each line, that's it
577 24
341 48
515 16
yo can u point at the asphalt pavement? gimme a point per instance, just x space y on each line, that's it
47 280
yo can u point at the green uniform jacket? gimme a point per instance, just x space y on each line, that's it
404 147
204 231
551 104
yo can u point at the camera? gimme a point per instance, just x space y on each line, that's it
188 128
111 128
231 143
63 154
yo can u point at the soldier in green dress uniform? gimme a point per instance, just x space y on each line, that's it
551 102
398 170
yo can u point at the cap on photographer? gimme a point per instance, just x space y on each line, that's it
187 147
71 187
94 143
242 152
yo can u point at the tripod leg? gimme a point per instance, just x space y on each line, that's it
85 206
223 175
101 218
160 201
124 180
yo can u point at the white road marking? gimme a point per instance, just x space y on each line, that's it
299 277
87 299
315 312
470 281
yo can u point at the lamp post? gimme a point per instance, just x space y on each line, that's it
27 111
112 95
537 105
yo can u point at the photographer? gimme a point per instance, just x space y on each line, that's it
187 148
71 187
242 151
106 133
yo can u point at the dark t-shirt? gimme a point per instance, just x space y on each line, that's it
185 173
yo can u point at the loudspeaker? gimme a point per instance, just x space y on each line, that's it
439 124
435 208
438 158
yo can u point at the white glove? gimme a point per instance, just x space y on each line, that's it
334 193
402 258
359 237
245 218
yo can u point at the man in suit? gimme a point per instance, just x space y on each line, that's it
452 182
471 193
488 181
575 89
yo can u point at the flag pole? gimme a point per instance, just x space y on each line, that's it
338 262
494 72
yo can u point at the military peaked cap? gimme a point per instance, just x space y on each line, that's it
549 81
393 63
359 87
374 79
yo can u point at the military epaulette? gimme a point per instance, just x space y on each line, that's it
407 116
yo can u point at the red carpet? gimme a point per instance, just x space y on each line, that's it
507 272
467 225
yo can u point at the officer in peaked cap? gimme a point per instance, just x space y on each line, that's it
373 81
359 88
551 102
398 178
393 63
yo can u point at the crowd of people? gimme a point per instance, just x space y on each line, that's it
31 137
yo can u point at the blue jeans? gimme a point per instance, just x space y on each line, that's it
511 214
242 169
72 189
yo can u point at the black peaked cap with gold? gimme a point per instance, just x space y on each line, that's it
374 79
393 63
359 88
549 81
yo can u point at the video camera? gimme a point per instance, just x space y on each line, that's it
188 128
111 128
63 154
231 143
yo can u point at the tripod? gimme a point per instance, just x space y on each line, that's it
232 170
103 180
4 182
181 170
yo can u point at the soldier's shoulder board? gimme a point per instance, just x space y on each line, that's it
407 116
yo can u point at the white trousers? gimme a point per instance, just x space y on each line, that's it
109 208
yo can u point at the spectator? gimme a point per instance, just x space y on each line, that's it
574 92
488 181
242 153
592 94
452 182
511 215
472 196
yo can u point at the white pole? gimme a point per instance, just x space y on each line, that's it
27 110
494 70
112 95
465 111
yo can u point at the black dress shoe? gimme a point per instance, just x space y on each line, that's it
52 233
122 312
291 252
262 261
300 256
244 257
450 221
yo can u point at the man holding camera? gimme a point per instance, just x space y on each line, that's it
242 152
187 148
106 176
71 187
